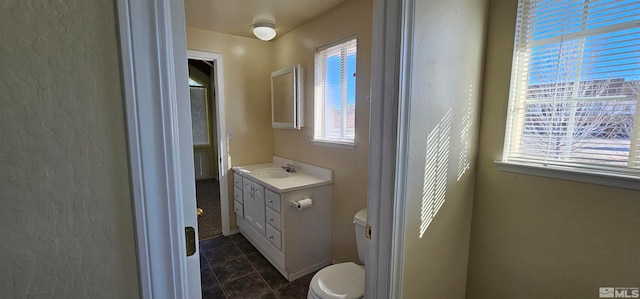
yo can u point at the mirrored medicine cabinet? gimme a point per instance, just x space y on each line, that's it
287 108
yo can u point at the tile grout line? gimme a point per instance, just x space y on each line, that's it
243 255
221 286
256 270
214 275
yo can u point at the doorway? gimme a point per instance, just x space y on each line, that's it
157 53
202 95
209 143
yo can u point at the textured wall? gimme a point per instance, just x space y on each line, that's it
535 237
350 166
66 227
444 99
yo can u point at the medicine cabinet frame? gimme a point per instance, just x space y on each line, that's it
287 104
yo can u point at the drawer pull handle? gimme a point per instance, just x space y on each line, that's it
271 201
270 237
270 219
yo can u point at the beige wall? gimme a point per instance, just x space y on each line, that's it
350 166
535 237
66 228
247 64
247 91
446 77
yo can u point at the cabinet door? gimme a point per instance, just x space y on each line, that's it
273 200
239 209
273 218
275 237
258 208
254 209
237 180
237 193
247 199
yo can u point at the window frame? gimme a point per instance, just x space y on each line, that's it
628 178
318 113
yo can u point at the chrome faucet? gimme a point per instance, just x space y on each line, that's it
289 168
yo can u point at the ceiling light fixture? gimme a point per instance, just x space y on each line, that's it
264 31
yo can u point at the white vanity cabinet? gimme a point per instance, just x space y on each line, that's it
296 242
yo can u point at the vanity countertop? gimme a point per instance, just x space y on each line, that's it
299 180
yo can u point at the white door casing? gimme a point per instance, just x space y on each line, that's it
154 71
385 205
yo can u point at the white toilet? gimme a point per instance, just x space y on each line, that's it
344 280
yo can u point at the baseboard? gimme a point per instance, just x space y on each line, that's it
309 270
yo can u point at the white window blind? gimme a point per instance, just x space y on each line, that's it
574 86
335 93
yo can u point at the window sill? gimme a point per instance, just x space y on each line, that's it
571 174
333 144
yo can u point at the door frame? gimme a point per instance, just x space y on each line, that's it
154 59
154 78
386 201
221 129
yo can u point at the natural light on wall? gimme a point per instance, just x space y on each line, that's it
464 163
435 172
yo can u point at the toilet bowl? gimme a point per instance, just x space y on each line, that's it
344 280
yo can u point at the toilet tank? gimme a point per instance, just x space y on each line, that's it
360 222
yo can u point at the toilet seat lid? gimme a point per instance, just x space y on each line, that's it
339 281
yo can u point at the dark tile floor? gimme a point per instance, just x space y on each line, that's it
230 267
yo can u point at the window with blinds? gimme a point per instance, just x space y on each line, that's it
574 86
335 93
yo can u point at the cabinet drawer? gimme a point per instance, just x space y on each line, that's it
272 200
237 180
239 209
273 235
273 218
237 194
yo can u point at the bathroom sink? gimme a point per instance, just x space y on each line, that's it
273 173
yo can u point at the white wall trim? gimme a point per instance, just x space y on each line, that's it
347 146
223 161
399 210
149 52
383 269
625 181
